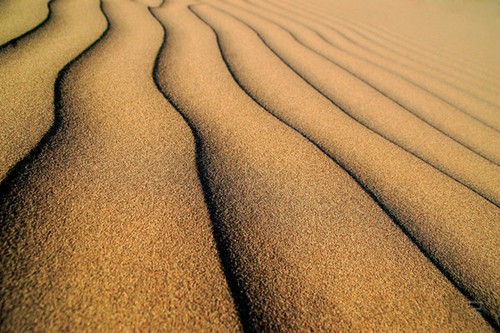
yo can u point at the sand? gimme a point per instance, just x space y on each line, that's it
421 101
29 70
113 210
249 165
19 17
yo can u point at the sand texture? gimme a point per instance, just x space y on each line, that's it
249 166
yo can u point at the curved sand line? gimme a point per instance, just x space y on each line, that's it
29 70
151 3
460 99
429 48
20 17
480 139
106 229
372 162
305 241
380 114
455 90
427 59
431 109
369 41
440 67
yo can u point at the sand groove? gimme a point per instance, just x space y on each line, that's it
429 49
249 165
111 209
415 55
360 151
457 97
29 69
380 114
461 127
366 41
20 17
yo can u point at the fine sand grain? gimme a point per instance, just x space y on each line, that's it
381 114
419 100
249 166
17 17
366 46
106 230
462 228
285 211
29 69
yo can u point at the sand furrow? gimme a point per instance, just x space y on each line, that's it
459 126
465 70
365 39
429 46
378 113
29 70
106 228
459 98
20 17
458 247
308 248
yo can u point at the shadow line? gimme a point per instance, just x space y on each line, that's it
392 72
347 113
19 169
13 42
437 67
241 301
385 208
416 48
461 142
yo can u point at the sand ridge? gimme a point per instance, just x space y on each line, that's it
262 236
382 115
29 70
107 228
373 161
435 54
460 126
456 91
248 165
19 17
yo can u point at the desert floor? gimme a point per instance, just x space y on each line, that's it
250 165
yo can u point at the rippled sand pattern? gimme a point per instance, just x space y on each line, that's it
249 165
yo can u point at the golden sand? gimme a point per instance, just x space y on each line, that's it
249 165
18 17
29 70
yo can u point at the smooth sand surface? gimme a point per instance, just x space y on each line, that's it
385 116
249 165
429 107
450 92
20 16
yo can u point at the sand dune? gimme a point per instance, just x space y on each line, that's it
20 16
361 155
460 126
383 115
446 84
247 165
29 70
264 163
126 235
437 47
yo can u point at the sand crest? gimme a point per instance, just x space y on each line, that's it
107 230
249 165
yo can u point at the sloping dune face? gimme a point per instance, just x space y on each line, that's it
249 165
